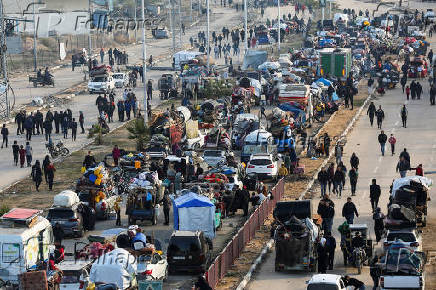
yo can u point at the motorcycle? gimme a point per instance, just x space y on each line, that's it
58 150
358 259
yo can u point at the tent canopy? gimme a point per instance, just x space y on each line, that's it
194 212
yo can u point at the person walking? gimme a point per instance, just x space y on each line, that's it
326 144
36 174
330 247
379 226
403 82
28 125
418 90
374 194
50 175
150 90
331 175
353 175
380 114
22 153
73 130
338 181
322 256
45 163
81 122
392 141
117 210
404 114
371 112
101 55
166 203
433 94
116 153
326 209
402 166
5 134
57 119
405 154
349 210
382 138
65 125
48 128
15 152
58 233
354 161
121 110
338 153
29 153
323 177
375 271
407 92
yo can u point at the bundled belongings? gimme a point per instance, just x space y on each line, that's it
142 203
402 261
97 176
294 92
66 198
144 180
100 70
280 121
131 159
170 124
217 137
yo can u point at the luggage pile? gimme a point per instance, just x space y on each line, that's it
97 176
102 70
144 180
280 120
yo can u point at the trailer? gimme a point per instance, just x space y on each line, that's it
296 236
335 62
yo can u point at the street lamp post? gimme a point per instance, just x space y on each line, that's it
278 27
245 27
144 66
35 61
208 32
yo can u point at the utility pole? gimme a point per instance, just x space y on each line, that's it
4 102
190 10
208 37
144 65
279 30
180 24
172 25
90 29
136 22
199 8
35 62
245 27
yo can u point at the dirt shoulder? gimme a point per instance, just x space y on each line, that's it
295 185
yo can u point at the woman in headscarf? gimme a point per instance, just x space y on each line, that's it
37 174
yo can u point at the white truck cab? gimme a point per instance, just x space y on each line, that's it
101 84
26 238
326 282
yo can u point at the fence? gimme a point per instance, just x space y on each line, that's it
246 233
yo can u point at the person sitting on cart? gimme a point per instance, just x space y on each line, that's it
358 241
47 75
39 74
136 235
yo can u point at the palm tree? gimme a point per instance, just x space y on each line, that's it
139 132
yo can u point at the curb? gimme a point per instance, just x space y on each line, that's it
256 264
332 152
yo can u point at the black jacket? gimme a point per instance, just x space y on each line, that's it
89 161
380 114
339 176
374 191
371 110
5 131
354 161
326 208
323 176
382 138
349 208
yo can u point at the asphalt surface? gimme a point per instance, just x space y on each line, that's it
419 139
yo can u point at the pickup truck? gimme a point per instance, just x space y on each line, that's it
101 84
402 282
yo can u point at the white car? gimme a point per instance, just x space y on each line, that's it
101 84
121 80
75 274
152 267
263 165
411 237
325 282
214 157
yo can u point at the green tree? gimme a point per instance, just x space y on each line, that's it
139 132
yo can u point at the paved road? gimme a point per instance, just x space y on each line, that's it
418 138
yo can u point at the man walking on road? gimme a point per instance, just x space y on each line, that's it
432 95
73 130
402 166
5 134
330 247
326 209
150 90
326 144
371 112
405 154
166 202
374 194
382 138
323 178
354 161
338 153
380 114
349 210
392 141
404 114
353 175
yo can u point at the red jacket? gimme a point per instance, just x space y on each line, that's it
116 153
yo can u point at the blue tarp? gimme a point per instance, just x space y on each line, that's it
296 111
324 81
195 219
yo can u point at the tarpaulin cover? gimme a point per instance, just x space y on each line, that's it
254 58
291 251
324 81
118 267
406 181
295 111
194 212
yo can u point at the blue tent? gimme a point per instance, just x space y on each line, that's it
324 81
194 212
296 111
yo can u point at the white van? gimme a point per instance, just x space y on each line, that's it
26 238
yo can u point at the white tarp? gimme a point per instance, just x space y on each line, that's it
66 198
195 218
257 87
406 181
269 65
118 267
